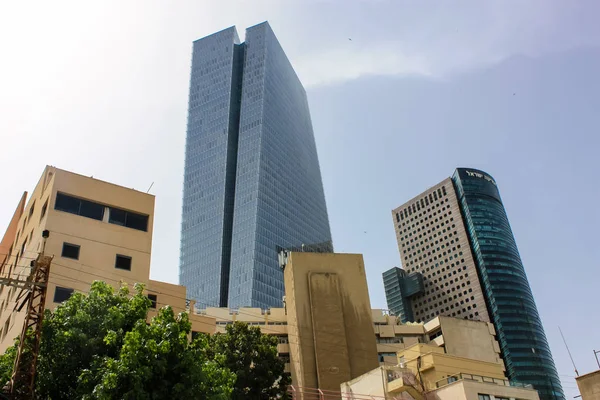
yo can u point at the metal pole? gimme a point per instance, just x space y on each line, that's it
568 351
596 355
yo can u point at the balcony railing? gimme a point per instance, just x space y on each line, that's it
480 378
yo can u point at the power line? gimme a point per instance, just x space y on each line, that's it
177 296
262 328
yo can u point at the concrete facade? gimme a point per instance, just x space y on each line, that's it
589 385
461 338
467 389
330 327
432 241
8 240
426 372
469 339
433 365
105 234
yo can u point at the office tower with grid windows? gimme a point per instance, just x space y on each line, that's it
457 237
252 182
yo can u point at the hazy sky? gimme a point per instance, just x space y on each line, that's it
510 87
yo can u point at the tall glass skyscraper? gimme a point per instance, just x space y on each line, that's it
456 238
252 182
509 299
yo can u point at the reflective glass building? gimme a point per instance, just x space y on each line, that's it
460 259
506 290
252 182
399 287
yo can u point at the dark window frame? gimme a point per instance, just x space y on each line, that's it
66 245
154 299
129 219
97 211
124 258
31 210
44 209
62 294
75 205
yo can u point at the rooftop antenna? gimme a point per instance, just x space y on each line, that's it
568 351
150 187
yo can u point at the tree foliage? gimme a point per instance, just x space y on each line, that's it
253 357
99 347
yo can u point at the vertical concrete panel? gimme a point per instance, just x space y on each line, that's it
469 339
331 346
347 322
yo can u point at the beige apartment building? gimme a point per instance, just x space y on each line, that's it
433 242
470 339
325 330
95 231
589 385
334 336
427 371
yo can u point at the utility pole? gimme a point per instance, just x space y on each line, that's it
33 292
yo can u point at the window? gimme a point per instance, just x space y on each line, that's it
128 219
6 327
73 205
31 210
382 355
44 208
23 247
484 396
62 294
153 299
123 262
70 251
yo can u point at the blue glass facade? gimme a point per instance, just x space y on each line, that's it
508 296
399 287
252 178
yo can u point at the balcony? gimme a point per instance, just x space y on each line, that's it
399 380
482 379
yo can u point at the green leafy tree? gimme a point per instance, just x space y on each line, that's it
253 358
74 337
99 346
7 361
157 362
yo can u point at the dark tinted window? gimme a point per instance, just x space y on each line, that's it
61 294
70 251
137 221
91 210
44 208
128 219
123 262
67 203
153 299
73 205
117 217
